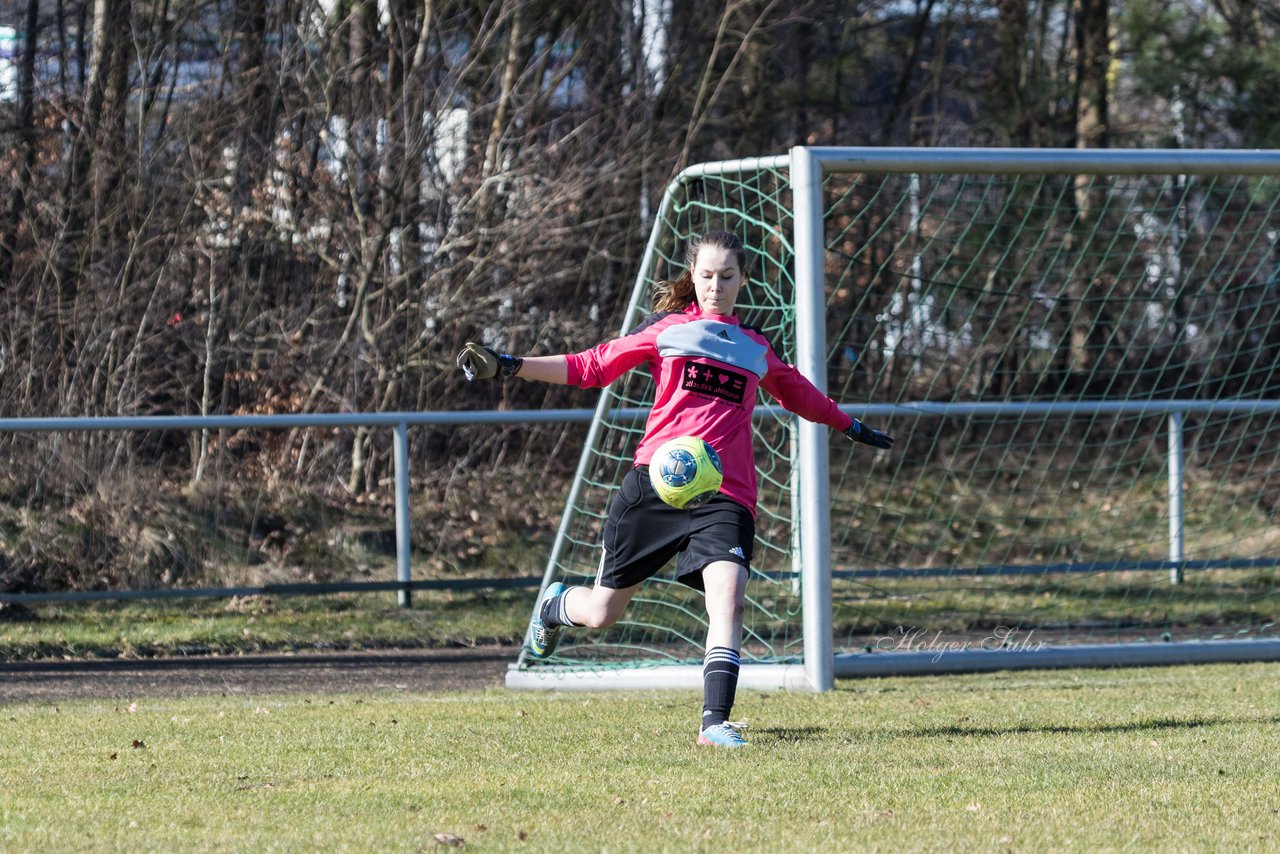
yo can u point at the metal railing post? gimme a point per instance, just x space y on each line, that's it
1175 497
404 570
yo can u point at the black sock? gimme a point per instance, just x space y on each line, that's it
553 613
719 684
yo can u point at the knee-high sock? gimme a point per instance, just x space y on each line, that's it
553 612
719 684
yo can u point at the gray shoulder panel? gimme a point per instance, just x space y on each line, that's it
724 342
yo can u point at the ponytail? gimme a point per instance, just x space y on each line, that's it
675 295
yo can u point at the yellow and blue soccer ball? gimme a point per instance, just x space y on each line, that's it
685 472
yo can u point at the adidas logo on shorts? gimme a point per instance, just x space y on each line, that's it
736 551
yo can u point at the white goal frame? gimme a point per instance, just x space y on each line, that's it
808 166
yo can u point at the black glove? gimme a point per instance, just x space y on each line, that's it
480 363
860 432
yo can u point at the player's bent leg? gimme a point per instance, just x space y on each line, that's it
598 607
560 606
544 630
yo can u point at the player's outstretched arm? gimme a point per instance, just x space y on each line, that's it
860 432
482 363
547 369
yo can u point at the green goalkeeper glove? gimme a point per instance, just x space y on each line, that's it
860 432
480 363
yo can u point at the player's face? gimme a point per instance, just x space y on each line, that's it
716 279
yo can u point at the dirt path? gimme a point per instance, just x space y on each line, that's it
410 671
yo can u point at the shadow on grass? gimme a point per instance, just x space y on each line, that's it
790 735
799 735
1092 728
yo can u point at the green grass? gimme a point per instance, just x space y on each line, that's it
1084 608
1210 604
1169 758
261 624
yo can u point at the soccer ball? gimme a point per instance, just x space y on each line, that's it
685 472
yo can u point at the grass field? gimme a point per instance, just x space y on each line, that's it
265 624
1166 758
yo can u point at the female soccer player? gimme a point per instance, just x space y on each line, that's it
707 367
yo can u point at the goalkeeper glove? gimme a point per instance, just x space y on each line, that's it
860 432
480 363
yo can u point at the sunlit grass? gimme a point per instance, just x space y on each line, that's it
1167 758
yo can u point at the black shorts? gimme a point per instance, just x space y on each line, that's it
643 533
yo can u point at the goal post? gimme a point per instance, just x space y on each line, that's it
812 500
1078 352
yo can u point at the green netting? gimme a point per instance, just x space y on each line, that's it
1053 288
666 621
1019 523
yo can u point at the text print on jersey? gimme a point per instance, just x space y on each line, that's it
714 381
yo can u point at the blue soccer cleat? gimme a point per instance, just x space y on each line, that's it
543 638
723 735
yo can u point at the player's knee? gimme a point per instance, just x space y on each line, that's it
598 617
726 609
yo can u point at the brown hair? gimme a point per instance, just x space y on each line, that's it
678 294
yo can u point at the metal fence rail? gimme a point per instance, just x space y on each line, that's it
399 422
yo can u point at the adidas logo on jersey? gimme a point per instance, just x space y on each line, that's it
736 551
724 334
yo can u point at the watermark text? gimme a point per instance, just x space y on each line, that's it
916 639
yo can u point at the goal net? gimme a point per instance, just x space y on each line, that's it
1078 354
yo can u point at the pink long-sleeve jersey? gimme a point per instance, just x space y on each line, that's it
707 369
